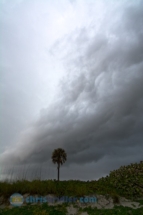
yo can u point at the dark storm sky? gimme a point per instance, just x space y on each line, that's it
71 77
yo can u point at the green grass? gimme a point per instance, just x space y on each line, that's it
140 201
127 181
117 210
62 188
45 209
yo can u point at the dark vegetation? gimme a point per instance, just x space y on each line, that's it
127 181
45 209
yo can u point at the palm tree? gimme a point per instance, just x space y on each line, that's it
59 156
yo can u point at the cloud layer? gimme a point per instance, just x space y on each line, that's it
96 115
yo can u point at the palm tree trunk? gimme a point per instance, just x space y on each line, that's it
58 171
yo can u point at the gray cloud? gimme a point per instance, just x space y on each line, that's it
97 116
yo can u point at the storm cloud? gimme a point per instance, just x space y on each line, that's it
96 112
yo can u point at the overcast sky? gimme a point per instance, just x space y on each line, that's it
71 76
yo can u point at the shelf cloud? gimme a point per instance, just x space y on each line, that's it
80 88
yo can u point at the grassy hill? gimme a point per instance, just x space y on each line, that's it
126 181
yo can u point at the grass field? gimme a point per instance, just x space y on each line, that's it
62 210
